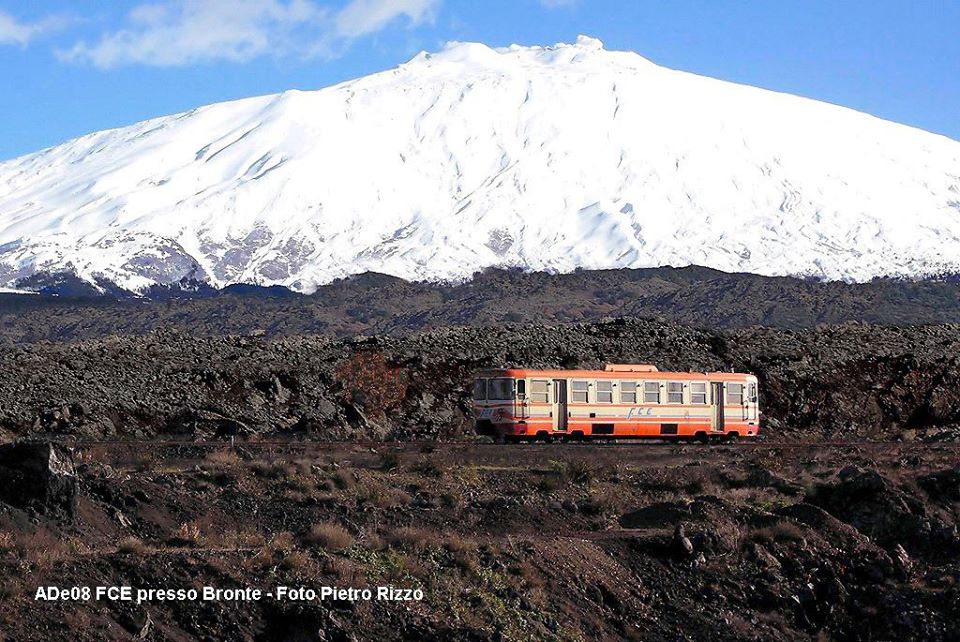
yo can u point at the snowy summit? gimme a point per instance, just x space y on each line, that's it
548 158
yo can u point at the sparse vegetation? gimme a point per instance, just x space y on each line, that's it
330 536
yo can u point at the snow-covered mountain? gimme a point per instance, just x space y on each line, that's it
541 157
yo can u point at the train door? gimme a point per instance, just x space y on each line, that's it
716 395
559 404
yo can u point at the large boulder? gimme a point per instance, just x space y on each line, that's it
38 475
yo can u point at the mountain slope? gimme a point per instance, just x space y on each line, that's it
545 158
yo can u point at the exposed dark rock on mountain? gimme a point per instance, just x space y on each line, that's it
379 304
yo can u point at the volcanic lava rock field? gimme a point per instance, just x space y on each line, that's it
544 542
179 460
850 381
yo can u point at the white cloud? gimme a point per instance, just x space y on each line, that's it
361 17
14 32
180 32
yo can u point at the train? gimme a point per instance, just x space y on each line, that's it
622 401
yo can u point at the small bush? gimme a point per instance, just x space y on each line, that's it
330 536
294 561
389 461
427 468
779 532
220 459
283 541
412 538
581 472
376 494
131 546
344 480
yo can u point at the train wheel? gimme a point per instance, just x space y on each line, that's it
733 438
701 437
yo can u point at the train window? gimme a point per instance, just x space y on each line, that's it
628 392
521 388
735 394
538 391
500 389
752 393
604 392
580 391
698 393
480 390
675 392
651 392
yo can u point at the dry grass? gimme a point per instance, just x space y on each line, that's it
262 559
378 495
40 548
330 536
131 546
219 459
295 561
189 533
412 538
426 467
7 542
779 532
344 479
343 570
282 541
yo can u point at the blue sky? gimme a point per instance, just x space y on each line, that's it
70 68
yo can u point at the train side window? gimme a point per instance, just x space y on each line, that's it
604 392
628 392
538 391
480 390
580 391
752 393
521 388
698 393
651 392
734 394
675 392
500 389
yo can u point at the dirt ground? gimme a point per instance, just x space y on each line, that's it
645 541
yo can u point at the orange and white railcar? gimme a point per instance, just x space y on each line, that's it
618 401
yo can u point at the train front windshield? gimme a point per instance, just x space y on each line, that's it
480 390
498 389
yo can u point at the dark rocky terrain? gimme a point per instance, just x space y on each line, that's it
354 463
376 304
839 382
623 542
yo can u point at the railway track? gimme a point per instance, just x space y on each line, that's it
486 444
427 446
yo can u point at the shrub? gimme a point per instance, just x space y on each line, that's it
221 459
294 561
389 460
779 532
412 538
132 546
330 536
371 382
344 480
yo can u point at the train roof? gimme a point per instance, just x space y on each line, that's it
611 371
